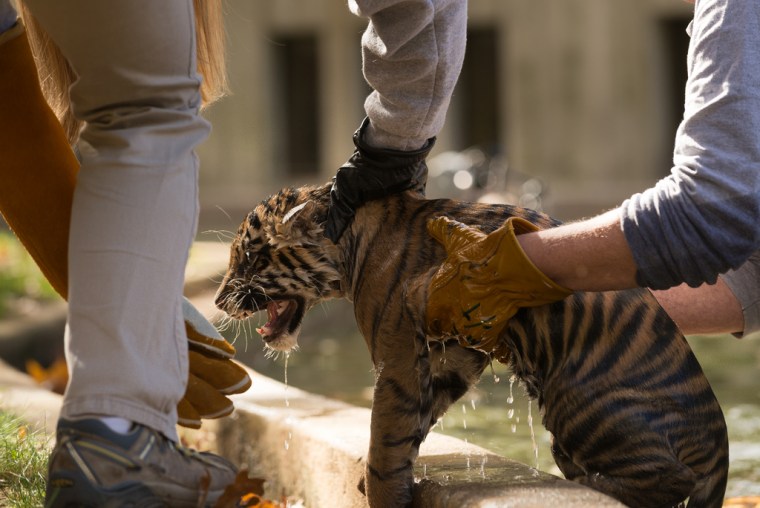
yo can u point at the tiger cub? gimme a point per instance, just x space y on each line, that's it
630 411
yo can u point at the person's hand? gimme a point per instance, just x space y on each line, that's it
483 281
213 374
372 173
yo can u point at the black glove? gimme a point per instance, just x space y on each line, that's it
372 173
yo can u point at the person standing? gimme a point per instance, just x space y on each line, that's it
137 95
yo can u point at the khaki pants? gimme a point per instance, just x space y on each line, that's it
135 206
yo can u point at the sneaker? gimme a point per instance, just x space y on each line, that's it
93 466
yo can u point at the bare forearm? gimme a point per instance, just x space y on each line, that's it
710 308
590 255
593 255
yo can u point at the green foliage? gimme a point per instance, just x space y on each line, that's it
19 276
23 463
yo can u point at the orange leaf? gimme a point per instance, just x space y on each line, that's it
742 502
244 492
54 378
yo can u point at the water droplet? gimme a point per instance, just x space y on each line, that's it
287 400
493 373
532 431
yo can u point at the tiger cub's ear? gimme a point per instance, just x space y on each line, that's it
297 225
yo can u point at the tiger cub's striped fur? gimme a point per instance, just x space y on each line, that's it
629 408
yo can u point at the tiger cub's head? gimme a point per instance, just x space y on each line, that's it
281 261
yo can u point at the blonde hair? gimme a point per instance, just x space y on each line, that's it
57 76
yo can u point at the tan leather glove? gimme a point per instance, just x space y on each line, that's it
483 281
38 174
213 374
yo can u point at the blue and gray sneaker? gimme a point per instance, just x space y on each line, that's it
92 466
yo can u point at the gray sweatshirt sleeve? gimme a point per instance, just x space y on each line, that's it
704 218
744 283
412 53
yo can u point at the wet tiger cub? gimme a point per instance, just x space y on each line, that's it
630 411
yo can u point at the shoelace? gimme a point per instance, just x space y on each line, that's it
189 453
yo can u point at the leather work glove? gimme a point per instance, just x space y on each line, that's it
483 282
213 374
372 173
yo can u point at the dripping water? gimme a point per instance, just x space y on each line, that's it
510 403
496 378
287 399
532 432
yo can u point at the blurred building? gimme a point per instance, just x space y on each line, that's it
582 95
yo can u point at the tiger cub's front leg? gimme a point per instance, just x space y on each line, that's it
400 420
409 399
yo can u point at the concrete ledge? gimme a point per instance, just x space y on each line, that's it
313 448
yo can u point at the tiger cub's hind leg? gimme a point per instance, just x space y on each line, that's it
660 486
628 458
610 485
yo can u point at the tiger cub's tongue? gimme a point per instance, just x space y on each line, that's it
273 312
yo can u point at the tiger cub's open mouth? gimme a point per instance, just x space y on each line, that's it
283 323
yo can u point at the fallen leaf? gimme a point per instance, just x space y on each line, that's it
245 492
742 502
54 378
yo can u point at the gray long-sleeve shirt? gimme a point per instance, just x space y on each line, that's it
704 218
412 53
